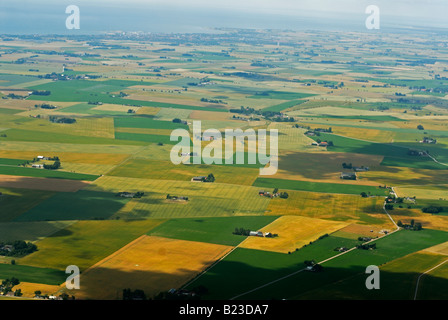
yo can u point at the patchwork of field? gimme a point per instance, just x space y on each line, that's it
152 264
119 209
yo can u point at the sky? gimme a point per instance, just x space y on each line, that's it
48 16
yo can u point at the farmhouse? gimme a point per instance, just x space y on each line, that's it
361 169
429 140
38 166
348 175
256 233
323 144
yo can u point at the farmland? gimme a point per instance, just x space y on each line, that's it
87 172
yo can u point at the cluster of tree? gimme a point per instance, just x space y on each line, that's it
330 143
241 232
131 111
415 226
313 266
44 106
364 195
18 248
213 101
170 197
62 120
137 294
7 286
371 246
56 165
389 206
194 294
41 92
284 195
432 209
14 96
347 166
210 178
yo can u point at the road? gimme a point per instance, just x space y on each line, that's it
428 271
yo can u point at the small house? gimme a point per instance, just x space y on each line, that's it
198 178
38 166
348 175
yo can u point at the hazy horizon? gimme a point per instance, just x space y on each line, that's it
176 16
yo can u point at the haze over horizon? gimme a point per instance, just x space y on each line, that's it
177 16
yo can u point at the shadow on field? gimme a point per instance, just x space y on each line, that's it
230 279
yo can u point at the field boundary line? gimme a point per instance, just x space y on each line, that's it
115 253
427 271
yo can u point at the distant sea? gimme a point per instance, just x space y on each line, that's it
35 18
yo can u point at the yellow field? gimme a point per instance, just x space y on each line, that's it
406 176
349 208
366 134
435 194
440 248
152 111
293 232
29 288
429 221
115 107
152 264
48 184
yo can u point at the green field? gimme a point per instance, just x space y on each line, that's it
80 205
211 230
32 274
246 269
317 186
44 173
352 264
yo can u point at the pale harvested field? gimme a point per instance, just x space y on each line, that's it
115 107
209 115
356 230
293 231
152 264
48 184
440 248
428 221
